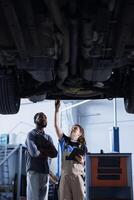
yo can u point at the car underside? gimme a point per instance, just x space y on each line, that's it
66 49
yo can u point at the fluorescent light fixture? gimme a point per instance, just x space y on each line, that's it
74 105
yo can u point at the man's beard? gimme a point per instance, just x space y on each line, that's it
41 125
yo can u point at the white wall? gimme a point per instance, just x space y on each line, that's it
97 118
20 124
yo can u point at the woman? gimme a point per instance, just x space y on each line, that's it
71 182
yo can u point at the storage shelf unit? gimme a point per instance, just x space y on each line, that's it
109 176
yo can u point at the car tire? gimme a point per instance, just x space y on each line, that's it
9 99
129 99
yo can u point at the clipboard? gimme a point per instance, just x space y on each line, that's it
76 152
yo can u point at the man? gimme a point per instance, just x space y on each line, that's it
39 148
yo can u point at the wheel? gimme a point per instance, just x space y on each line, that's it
129 99
9 100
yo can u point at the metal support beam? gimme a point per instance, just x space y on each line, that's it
115 112
115 146
75 105
115 137
19 172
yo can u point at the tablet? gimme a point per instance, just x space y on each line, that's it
76 152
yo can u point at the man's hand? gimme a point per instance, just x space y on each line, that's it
42 155
80 159
51 152
46 147
57 105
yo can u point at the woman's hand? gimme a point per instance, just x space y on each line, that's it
80 159
57 105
